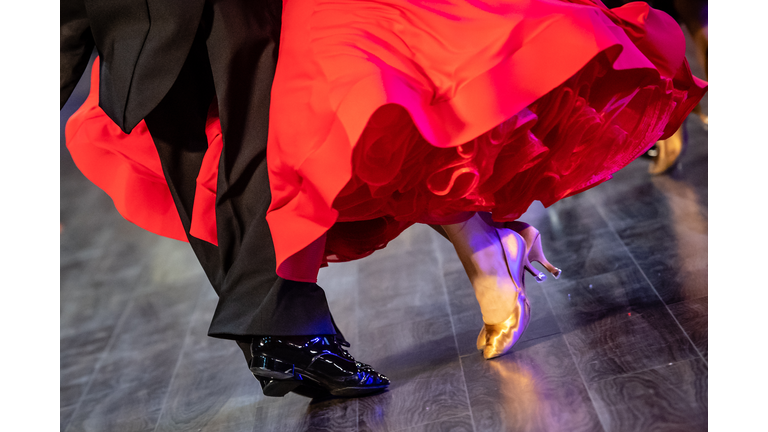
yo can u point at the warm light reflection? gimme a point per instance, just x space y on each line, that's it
689 228
517 392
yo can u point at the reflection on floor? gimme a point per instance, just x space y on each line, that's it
619 343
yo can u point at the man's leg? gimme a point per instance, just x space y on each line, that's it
253 301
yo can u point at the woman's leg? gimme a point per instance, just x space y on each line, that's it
480 250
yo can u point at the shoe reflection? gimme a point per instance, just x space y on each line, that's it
517 387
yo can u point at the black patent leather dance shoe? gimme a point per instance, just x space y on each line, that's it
311 366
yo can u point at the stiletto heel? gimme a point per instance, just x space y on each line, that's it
537 254
534 251
539 276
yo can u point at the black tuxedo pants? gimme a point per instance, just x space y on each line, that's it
232 64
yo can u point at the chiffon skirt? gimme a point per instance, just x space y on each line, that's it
389 113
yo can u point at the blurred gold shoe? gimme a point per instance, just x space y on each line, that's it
669 151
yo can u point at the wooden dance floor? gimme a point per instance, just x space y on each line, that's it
618 343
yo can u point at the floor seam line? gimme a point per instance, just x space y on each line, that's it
453 329
427 423
575 364
643 370
107 349
632 257
178 361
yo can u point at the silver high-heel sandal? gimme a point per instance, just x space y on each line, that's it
497 339
533 252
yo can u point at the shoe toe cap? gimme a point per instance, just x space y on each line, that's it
372 379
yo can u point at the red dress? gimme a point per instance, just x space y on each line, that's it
389 113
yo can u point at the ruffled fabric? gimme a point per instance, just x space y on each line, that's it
430 111
127 167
